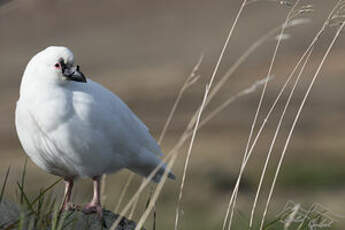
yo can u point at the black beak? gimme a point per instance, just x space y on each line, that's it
73 73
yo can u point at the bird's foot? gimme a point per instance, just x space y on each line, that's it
73 207
69 207
94 208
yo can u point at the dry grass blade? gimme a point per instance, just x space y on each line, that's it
123 192
275 137
230 73
188 158
292 216
276 101
232 69
296 119
311 45
143 185
227 102
233 198
208 87
131 213
227 76
156 193
191 79
239 61
144 216
188 132
181 142
248 52
183 139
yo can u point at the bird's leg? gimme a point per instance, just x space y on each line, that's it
67 205
95 205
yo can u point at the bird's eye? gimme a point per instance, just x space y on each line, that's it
57 65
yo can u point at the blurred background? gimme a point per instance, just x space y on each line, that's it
143 51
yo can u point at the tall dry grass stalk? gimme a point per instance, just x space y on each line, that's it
253 47
188 156
306 53
188 132
277 131
192 127
292 216
266 118
229 73
141 188
232 202
123 192
308 50
183 139
304 9
193 77
190 80
340 28
175 105
144 216
208 87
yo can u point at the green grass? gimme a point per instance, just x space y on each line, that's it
41 212
314 176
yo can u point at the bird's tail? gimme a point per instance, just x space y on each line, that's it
148 164
158 176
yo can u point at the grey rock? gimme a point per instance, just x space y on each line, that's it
77 220
9 213
72 220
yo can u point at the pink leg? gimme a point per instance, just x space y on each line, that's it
95 205
67 205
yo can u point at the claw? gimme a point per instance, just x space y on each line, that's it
71 207
93 208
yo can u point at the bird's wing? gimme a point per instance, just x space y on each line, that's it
109 112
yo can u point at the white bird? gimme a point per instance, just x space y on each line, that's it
73 127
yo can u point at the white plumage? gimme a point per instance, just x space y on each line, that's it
72 128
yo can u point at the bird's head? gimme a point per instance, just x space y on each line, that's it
54 64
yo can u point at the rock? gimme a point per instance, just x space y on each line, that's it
9 213
72 220
79 221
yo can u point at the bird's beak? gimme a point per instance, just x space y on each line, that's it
73 73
